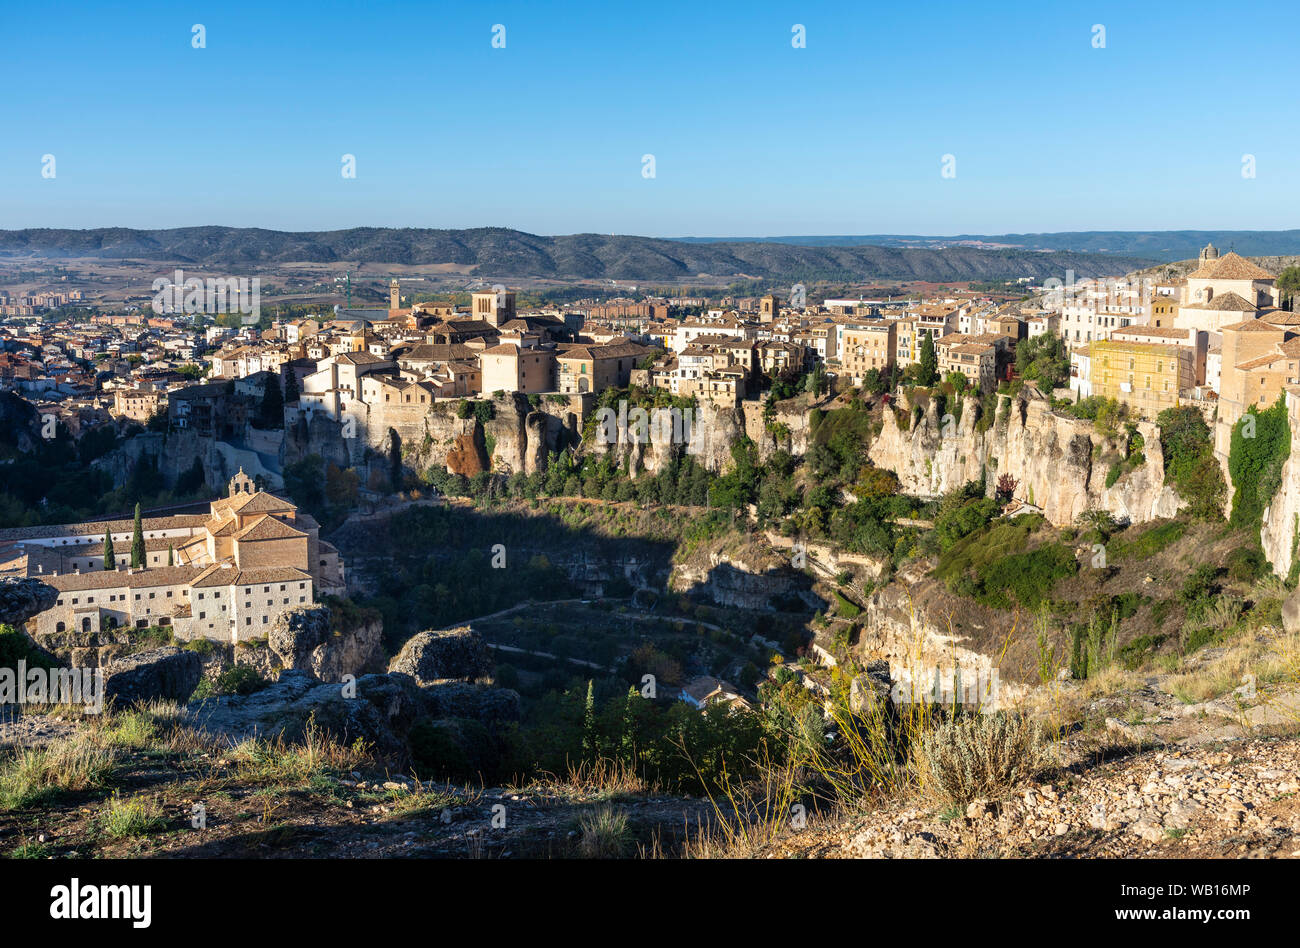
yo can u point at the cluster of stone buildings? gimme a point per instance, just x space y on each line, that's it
29 304
223 575
94 372
1218 339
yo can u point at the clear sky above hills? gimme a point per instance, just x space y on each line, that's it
750 136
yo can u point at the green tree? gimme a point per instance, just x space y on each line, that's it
137 541
1044 360
1190 465
1288 281
271 414
110 560
928 365
1261 441
171 555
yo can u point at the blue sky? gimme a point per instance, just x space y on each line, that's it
751 137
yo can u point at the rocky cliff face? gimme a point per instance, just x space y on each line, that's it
708 439
175 451
1054 459
789 429
518 438
1282 516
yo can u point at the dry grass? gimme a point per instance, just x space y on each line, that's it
288 763
74 764
749 815
1269 657
603 779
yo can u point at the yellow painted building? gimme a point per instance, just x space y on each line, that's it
1147 377
866 347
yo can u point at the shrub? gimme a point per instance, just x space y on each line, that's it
1246 564
1150 542
1201 583
969 757
239 680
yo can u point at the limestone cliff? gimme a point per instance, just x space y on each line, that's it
788 430
1282 516
518 437
706 435
1054 459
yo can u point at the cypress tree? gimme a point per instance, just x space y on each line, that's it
110 559
137 541
929 362
171 555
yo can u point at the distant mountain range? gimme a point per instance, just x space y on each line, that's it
1162 245
503 253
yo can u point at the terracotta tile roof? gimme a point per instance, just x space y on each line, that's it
1279 317
262 502
1164 332
1263 361
112 579
1231 266
1252 325
93 528
268 528
1226 302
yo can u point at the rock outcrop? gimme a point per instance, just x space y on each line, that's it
303 639
518 437
168 674
1054 459
455 699
379 710
20 599
435 656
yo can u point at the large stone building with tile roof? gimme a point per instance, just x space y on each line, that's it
224 575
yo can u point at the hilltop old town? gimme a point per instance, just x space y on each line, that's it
1218 338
